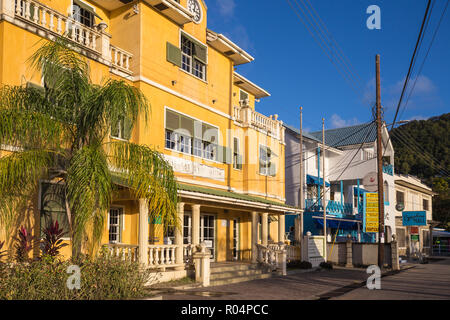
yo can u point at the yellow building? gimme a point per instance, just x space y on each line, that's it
228 158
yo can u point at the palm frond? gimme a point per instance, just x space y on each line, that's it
20 170
31 129
149 176
89 189
108 104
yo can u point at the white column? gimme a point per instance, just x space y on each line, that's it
179 235
196 224
281 227
254 236
143 231
264 234
104 42
7 7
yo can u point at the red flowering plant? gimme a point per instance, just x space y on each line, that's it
53 242
24 244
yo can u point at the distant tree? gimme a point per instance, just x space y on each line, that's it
422 148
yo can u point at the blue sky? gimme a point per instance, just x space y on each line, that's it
294 69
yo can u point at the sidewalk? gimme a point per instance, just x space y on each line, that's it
297 285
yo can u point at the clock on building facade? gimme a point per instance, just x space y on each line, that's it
194 7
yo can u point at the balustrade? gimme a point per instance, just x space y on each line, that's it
123 251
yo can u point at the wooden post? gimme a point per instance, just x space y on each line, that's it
379 166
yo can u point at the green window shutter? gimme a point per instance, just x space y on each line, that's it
239 162
173 54
228 155
127 128
200 52
224 154
273 169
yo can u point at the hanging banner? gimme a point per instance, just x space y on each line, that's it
371 212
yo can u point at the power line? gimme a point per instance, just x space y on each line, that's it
412 61
307 26
426 56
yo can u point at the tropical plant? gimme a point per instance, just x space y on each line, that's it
61 132
24 244
52 242
3 253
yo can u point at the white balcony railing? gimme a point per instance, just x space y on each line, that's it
47 18
120 59
248 116
49 23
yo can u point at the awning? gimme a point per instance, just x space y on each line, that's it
315 180
336 223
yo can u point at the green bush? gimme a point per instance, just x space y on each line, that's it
46 279
326 265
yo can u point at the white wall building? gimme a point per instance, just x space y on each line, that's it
350 154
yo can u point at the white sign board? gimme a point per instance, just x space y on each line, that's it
195 168
316 250
208 243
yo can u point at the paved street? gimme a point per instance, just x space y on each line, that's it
424 281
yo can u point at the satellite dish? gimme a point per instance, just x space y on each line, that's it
370 182
399 206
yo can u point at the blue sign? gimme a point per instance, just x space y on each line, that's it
414 218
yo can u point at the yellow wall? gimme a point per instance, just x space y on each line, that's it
145 36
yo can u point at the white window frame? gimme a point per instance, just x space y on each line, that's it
122 218
192 140
191 72
266 174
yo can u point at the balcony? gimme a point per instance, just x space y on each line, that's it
388 169
49 23
250 118
333 207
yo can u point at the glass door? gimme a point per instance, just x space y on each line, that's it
207 232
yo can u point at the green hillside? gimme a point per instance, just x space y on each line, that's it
422 149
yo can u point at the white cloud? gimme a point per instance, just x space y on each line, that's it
226 7
338 122
423 86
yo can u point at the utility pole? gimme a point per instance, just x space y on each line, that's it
301 201
379 168
300 198
324 191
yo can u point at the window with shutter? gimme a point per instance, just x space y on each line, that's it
237 158
243 95
122 129
191 136
193 56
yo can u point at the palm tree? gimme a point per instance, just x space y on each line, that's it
61 133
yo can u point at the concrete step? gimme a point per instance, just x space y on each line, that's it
218 268
235 274
232 280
